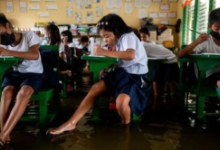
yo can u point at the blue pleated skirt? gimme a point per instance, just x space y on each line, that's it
135 85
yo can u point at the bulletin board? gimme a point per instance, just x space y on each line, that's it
24 13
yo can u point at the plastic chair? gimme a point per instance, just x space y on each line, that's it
44 95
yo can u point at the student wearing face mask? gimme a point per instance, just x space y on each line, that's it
22 80
208 43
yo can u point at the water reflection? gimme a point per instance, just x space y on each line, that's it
163 136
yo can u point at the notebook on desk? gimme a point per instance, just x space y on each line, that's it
206 54
95 56
6 57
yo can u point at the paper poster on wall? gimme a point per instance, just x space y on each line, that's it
69 11
9 7
79 4
153 15
89 16
78 17
164 21
35 0
173 0
164 6
172 15
128 0
88 4
34 7
146 3
162 15
99 11
138 3
43 14
51 7
141 13
128 8
114 11
109 3
23 6
118 3
70 1
157 1
96 1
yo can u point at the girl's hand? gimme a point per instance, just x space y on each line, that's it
99 51
4 52
114 48
202 37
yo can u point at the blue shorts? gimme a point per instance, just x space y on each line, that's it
17 79
166 73
136 86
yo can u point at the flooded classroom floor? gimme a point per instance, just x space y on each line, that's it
155 131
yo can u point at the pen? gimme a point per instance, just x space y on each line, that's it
194 31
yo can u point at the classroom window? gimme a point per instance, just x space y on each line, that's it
217 3
188 23
202 16
195 17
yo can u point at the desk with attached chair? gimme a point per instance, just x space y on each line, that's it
204 62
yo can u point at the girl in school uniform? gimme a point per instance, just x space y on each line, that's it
53 34
22 80
127 81
67 38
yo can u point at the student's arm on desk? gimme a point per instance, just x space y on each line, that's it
189 49
129 54
31 54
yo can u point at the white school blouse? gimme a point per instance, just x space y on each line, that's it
139 64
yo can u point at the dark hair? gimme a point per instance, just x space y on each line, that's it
115 24
54 34
68 34
214 16
84 39
3 19
136 33
145 31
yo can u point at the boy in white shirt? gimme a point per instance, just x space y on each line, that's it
145 35
164 72
208 43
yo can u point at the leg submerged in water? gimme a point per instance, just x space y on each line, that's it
84 106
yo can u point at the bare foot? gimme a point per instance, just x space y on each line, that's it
66 127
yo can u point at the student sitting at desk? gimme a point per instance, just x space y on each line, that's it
22 80
84 44
67 38
127 81
145 35
208 43
164 72
53 34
